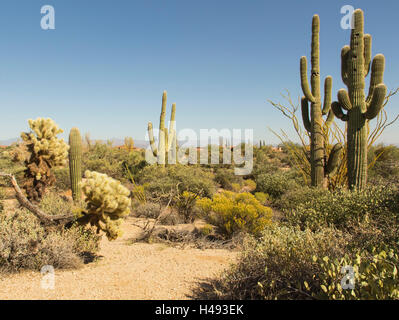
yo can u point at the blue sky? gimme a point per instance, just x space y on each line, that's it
104 67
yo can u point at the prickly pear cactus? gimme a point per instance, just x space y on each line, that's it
353 106
107 203
44 152
75 162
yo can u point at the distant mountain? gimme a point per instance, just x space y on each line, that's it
8 142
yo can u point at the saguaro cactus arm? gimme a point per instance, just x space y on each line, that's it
304 80
377 74
338 111
377 102
343 99
305 114
327 95
345 52
334 159
152 140
172 129
367 54
75 159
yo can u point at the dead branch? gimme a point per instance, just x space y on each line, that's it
42 216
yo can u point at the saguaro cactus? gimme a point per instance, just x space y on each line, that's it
314 124
355 66
75 162
167 138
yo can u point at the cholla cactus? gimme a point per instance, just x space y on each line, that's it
107 203
44 151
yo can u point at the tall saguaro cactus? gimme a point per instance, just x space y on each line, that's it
167 138
355 66
75 160
314 124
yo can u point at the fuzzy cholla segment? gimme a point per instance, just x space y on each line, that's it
107 202
45 142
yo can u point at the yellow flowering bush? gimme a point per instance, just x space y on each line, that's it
234 212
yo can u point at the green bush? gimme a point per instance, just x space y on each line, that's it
62 179
276 184
160 181
53 204
112 161
147 210
385 169
342 208
226 178
186 206
235 212
293 198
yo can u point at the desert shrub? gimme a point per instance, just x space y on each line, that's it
185 204
226 178
276 184
235 212
8 163
160 181
147 210
277 265
53 204
62 181
235 187
2 196
249 184
289 263
112 161
138 194
25 244
293 198
385 169
262 197
341 208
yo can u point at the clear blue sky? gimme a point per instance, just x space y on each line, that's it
104 67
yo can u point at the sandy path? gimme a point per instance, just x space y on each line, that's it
126 271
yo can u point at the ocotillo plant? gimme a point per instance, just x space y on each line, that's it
129 143
167 138
75 162
314 124
355 66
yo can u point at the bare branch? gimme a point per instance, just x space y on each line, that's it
42 216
